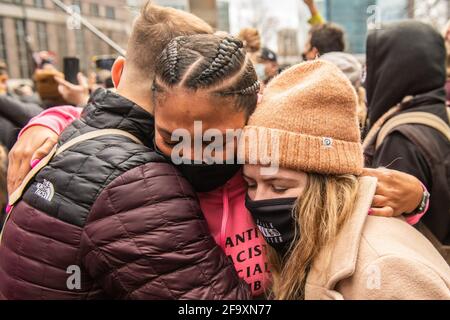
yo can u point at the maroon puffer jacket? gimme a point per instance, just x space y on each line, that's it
111 219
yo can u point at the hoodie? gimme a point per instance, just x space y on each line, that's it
408 59
236 233
403 59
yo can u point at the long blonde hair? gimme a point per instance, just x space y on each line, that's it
326 204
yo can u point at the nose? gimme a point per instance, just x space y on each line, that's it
260 194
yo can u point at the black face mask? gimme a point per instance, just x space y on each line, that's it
274 218
208 177
205 177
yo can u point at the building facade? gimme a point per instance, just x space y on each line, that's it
28 26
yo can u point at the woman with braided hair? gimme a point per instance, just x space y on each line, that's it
209 79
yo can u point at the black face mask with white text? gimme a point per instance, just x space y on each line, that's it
275 220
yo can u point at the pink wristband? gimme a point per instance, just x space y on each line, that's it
416 218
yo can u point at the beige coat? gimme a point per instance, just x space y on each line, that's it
378 258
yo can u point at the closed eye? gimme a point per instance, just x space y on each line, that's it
278 189
171 143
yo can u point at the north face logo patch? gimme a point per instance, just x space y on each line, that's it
45 190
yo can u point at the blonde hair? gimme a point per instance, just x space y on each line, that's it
3 169
321 211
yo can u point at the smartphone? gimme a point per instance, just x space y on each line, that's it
71 69
104 62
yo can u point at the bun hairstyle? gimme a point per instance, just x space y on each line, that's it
251 39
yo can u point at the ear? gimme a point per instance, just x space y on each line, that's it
315 52
116 70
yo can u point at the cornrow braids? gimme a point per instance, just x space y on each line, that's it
170 57
253 89
214 63
229 52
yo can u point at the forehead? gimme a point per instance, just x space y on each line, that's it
180 108
255 172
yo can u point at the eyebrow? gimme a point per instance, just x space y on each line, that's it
267 179
270 179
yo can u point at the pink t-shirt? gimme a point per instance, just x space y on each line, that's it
234 230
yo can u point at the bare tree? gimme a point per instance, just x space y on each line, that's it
435 12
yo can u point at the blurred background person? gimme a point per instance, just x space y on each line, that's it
251 39
446 35
406 76
16 108
74 94
3 78
316 17
352 68
322 39
267 67
25 93
3 190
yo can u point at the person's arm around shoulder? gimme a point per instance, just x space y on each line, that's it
146 238
55 119
36 140
398 193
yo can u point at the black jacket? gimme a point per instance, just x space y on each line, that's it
14 115
408 59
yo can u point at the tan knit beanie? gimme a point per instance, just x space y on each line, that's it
309 111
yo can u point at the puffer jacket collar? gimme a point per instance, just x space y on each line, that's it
107 109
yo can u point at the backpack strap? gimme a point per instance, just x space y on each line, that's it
17 194
423 118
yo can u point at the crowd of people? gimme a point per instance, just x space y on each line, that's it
328 179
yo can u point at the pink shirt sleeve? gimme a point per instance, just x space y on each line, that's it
56 118
416 218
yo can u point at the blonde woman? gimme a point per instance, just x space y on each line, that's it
313 209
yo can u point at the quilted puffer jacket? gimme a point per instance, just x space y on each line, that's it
110 219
